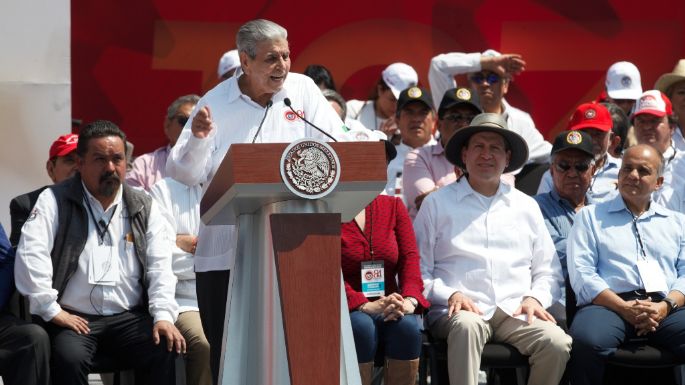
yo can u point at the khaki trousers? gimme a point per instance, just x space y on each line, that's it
197 358
466 334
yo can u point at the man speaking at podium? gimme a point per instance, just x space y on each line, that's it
264 104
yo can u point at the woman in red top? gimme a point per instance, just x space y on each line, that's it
383 233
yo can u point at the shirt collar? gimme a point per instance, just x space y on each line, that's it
564 202
617 204
464 189
437 149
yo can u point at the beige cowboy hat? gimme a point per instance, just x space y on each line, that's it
667 80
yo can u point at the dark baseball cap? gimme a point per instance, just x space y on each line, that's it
456 96
414 94
578 140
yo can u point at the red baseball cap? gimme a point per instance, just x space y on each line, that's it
64 145
591 115
653 102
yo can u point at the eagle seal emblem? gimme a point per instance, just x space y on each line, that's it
310 168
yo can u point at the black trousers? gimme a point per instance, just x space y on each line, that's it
24 352
212 293
123 340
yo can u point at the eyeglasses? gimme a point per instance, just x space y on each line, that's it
459 118
480 77
181 120
579 167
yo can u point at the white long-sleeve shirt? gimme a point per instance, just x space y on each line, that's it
180 206
441 74
33 265
236 119
495 250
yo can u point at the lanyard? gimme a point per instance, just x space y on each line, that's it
101 232
639 238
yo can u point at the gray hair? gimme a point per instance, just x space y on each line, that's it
255 31
333 96
185 99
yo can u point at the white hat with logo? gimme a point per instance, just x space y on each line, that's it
623 81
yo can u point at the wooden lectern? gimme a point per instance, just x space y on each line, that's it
286 314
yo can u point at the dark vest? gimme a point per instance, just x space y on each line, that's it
72 230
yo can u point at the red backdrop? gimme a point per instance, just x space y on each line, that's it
132 58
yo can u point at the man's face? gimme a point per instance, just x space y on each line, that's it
653 130
678 98
485 156
638 176
572 172
600 141
491 88
386 101
453 120
103 167
268 70
60 168
625 104
174 126
416 123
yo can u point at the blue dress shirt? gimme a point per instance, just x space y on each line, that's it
603 248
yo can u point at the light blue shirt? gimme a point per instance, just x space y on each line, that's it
603 248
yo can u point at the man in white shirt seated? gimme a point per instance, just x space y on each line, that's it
416 121
95 264
488 263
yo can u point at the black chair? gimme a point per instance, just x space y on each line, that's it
628 364
495 356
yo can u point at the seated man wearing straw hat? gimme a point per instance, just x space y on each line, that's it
488 264
673 85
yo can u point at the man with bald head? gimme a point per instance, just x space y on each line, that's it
628 281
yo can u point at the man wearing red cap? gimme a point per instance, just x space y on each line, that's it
61 165
595 120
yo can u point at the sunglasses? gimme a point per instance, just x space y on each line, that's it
181 120
459 117
579 167
480 77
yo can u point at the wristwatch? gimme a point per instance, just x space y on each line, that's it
671 302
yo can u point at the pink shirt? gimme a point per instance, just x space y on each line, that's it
425 168
148 168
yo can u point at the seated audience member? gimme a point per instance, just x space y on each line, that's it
426 168
61 165
626 264
487 261
416 122
654 125
571 169
339 105
623 85
490 75
24 347
619 129
180 206
382 310
378 113
673 85
595 120
94 261
321 76
228 64
151 167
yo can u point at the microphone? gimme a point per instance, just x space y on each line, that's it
259 129
287 103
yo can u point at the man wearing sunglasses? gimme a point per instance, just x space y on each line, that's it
571 171
595 120
149 168
489 76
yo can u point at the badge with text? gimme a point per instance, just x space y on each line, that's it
373 279
103 268
652 276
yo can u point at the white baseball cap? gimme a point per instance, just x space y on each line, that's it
623 81
399 77
230 60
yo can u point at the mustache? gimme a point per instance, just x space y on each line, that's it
109 177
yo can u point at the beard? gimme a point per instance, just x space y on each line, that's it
109 184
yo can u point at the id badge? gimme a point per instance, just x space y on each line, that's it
652 276
373 279
103 267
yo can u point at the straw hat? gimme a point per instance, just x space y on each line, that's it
667 80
